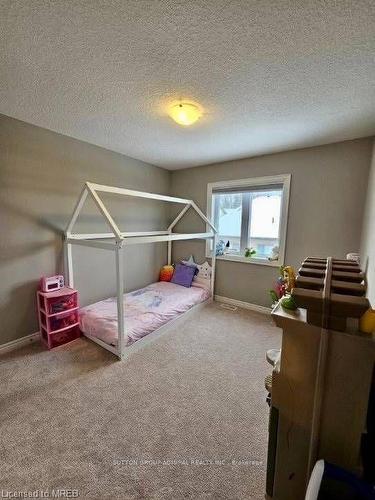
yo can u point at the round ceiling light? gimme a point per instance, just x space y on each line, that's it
185 113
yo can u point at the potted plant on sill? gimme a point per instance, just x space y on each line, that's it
250 252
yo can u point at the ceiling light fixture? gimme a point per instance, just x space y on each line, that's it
185 113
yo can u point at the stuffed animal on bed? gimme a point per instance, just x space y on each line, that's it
166 273
205 270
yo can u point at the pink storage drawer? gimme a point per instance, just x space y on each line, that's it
64 336
58 314
60 304
63 320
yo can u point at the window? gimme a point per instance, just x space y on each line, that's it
251 214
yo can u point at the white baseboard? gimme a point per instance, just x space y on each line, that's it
244 305
15 344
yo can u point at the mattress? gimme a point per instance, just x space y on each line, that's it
145 310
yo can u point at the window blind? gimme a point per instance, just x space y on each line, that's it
242 189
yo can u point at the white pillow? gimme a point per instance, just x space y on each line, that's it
204 270
203 278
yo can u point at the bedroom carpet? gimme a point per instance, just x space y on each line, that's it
183 418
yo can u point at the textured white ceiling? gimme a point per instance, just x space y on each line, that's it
271 74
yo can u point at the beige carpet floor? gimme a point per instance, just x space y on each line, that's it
183 418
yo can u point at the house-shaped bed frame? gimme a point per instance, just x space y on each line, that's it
116 241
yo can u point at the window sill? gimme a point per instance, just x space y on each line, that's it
252 260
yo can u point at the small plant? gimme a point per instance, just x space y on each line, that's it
250 252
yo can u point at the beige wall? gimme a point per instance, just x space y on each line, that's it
41 175
368 234
325 213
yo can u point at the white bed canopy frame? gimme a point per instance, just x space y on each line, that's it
121 239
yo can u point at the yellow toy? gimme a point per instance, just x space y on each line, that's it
367 321
289 278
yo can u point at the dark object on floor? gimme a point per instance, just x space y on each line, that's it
368 439
329 482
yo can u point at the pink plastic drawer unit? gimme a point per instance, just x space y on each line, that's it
58 316
65 336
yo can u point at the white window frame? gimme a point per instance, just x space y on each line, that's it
283 179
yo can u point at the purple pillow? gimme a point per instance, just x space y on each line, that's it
190 264
183 275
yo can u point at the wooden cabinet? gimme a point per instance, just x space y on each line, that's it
320 408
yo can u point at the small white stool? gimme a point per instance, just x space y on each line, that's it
273 356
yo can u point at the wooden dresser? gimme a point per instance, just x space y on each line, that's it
320 388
